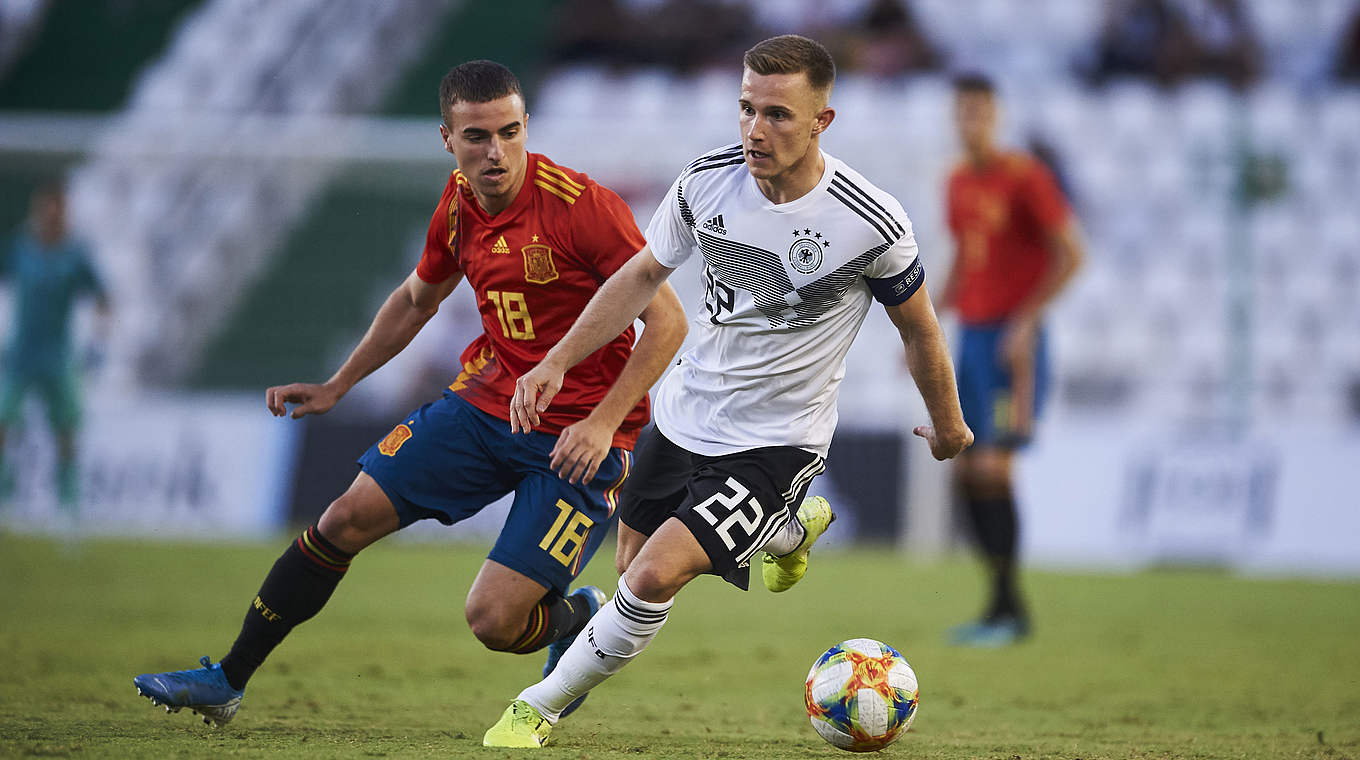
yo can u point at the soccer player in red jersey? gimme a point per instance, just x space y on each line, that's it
1017 246
534 240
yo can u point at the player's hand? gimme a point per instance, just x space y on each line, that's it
534 390
306 398
1018 344
946 444
580 450
92 358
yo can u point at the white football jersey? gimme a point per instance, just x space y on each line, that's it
786 288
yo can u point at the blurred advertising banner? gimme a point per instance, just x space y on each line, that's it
864 478
1106 495
175 465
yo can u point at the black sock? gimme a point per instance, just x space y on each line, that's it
996 527
297 587
551 619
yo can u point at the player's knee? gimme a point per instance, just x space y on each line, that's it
352 523
963 472
988 477
493 626
653 583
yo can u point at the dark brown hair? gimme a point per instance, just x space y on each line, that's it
973 82
793 54
476 82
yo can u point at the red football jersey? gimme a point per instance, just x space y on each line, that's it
1002 216
533 268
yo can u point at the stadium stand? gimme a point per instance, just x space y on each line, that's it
1238 193
1151 323
185 233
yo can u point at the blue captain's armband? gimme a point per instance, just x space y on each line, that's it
891 291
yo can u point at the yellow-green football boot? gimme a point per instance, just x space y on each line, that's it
520 726
780 573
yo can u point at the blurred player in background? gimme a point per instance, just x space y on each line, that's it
48 272
796 247
535 241
1017 246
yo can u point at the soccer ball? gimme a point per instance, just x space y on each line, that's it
861 695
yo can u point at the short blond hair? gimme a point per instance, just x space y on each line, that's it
793 54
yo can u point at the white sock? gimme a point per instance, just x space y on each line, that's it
786 539
616 634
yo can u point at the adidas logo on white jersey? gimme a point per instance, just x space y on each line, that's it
716 225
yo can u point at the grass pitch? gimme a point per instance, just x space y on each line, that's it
1155 665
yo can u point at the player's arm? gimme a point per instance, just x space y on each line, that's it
582 447
1040 195
406 310
100 329
1066 255
103 305
620 300
931 368
949 294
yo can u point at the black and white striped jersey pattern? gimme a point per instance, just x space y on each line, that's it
786 288
729 155
762 273
864 205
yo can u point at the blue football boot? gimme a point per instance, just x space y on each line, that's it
204 691
991 633
593 598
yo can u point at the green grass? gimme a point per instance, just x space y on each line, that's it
1155 665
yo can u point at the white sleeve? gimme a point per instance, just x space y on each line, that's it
668 235
899 256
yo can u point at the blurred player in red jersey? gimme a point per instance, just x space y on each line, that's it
534 241
1017 246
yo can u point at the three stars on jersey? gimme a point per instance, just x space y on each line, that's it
805 255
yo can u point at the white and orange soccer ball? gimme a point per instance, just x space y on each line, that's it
861 695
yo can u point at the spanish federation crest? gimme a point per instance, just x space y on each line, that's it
806 252
390 445
538 264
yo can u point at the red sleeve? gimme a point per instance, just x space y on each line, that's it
603 230
439 262
1043 198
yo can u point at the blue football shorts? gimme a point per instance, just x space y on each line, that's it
448 459
991 397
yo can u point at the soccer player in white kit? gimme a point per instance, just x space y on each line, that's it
795 245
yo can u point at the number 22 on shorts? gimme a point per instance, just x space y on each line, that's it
568 533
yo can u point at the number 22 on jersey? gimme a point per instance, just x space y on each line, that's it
717 296
513 313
